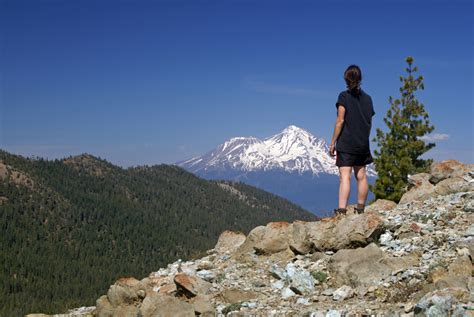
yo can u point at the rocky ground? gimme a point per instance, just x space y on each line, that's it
414 258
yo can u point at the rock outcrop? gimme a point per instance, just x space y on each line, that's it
399 260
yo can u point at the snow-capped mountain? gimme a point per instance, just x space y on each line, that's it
293 164
292 150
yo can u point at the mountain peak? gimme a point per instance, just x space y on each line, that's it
293 149
89 163
293 128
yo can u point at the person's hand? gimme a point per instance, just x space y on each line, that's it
332 150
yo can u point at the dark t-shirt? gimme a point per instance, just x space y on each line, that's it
354 137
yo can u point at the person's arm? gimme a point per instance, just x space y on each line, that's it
341 111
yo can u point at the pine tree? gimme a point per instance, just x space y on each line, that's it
402 145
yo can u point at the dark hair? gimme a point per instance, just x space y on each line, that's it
353 77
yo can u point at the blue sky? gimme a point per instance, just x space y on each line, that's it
148 82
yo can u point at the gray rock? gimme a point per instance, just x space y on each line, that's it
206 275
333 313
278 284
343 293
302 282
278 272
469 206
287 292
328 292
470 231
302 301
386 238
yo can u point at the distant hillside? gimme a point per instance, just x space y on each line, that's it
71 227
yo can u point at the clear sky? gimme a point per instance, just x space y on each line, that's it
148 82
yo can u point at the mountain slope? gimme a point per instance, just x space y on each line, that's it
70 227
410 259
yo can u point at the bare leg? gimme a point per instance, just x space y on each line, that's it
362 185
344 185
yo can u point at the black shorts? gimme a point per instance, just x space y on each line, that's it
348 159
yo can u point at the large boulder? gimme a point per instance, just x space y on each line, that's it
421 188
381 204
307 237
122 300
366 266
126 291
103 308
229 241
453 185
191 286
299 241
274 238
448 169
246 248
160 305
457 275
203 306
351 231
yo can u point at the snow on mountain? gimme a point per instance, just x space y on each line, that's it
292 150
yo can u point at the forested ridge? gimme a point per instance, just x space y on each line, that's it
71 227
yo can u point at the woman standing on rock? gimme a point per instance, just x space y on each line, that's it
350 141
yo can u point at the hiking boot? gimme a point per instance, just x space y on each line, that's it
340 211
359 210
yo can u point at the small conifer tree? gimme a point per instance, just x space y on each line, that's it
402 145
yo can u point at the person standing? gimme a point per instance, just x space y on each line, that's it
350 140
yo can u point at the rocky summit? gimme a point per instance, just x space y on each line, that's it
410 259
